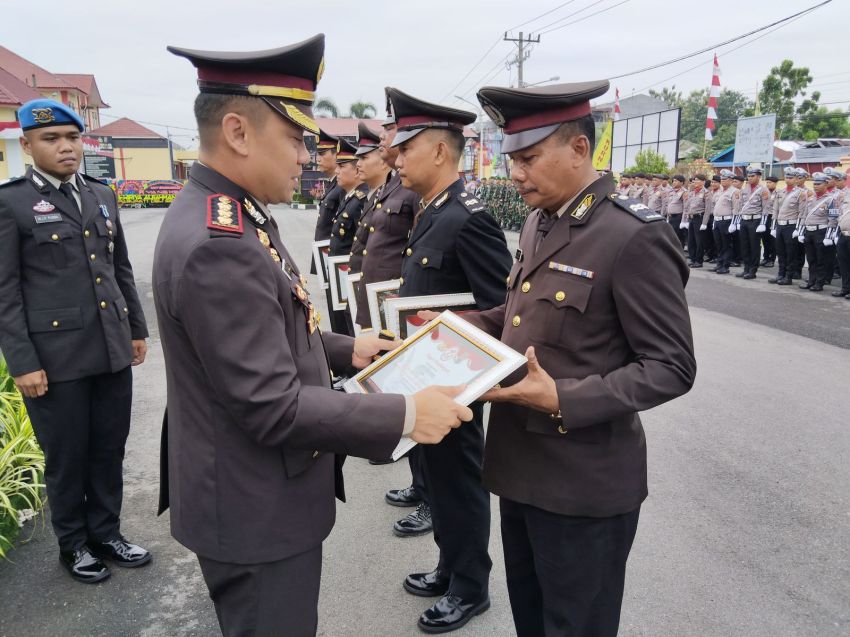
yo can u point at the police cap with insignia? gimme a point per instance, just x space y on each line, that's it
347 151
285 78
738 177
726 174
367 140
390 121
772 178
789 171
800 173
42 113
820 178
326 142
754 171
413 116
530 115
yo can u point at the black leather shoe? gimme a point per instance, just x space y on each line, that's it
767 263
83 566
817 287
722 271
403 497
841 293
741 275
712 260
433 584
696 265
735 264
805 286
775 279
121 552
450 613
382 461
785 281
415 523
749 276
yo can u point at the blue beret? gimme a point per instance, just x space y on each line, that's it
43 112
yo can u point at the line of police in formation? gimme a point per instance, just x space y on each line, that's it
254 436
504 201
732 221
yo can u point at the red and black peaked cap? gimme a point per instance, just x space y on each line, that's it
346 151
367 139
529 115
413 116
327 141
285 78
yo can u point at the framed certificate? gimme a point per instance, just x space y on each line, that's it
377 294
337 275
401 311
352 284
446 351
321 251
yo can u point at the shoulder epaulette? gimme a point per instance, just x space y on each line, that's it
11 181
635 207
473 204
359 194
224 213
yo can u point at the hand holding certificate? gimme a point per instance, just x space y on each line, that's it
448 351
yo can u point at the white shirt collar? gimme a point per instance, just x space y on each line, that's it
56 182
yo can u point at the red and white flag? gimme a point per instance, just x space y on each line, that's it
713 94
616 104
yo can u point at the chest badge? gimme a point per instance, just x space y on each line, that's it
44 206
104 211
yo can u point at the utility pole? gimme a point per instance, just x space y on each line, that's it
522 52
170 152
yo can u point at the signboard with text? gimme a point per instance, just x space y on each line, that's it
98 157
146 193
754 139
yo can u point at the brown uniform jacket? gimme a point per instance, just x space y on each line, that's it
250 411
616 339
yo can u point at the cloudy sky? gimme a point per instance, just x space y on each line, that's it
430 48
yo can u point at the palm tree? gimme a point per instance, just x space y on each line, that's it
361 110
326 106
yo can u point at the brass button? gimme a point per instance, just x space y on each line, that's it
342 232
508 280
561 429
517 320
526 286
98 280
109 232
55 324
379 205
559 296
409 252
92 256
371 228
424 260
315 454
126 311
55 237
401 280
364 253
86 234
103 305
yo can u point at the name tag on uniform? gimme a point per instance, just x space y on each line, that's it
569 269
52 218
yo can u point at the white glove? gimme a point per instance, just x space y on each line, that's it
827 242
795 234
703 227
773 232
683 225
801 238
760 229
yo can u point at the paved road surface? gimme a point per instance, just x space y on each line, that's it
746 530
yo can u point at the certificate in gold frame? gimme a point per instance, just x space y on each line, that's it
337 274
400 312
377 294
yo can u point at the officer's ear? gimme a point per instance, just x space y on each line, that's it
235 133
25 144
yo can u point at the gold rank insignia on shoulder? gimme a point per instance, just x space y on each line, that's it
571 269
223 213
584 206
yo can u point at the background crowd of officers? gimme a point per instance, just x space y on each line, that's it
731 221
503 201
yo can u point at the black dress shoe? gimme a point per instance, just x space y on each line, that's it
817 287
712 260
775 279
767 263
415 523
805 286
382 461
433 584
785 281
450 613
696 265
403 497
83 566
722 270
749 276
735 264
841 293
741 275
121 552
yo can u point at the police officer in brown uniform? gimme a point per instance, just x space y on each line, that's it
252 423
694 214
596 300
326 148
71 326
789 206
725 206
820 257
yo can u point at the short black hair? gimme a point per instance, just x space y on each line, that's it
210 108
454 140
679 178
699 177
581 126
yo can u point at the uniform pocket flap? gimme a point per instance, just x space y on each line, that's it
121 308
58 320
52 233
428 258
563 292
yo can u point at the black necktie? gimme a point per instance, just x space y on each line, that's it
544 225
68 191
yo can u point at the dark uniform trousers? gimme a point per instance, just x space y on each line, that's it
457 247
787 251
580 562
750 245
724 241
696 249
843 256
69 306
707 239
767 241
821 258
248 597
676 222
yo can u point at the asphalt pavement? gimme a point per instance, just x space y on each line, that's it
746 530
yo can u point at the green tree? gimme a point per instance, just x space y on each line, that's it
730 106
648 161
778 93
326 106
670 95
362 110
822 122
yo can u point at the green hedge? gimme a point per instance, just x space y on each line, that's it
21 463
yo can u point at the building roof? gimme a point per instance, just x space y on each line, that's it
26 71
126 128
346 126
85 83
634 106
13 92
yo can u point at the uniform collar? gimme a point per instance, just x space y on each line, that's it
560 211
53 181
453 189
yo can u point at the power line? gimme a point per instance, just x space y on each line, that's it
569 15
720 44
587 17
474 66
560 6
